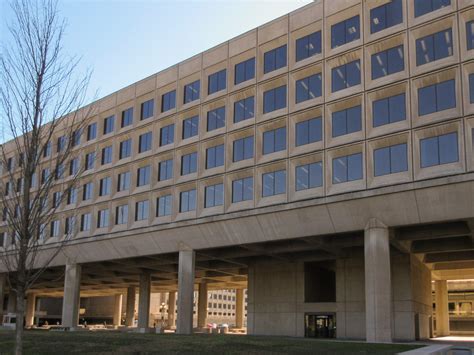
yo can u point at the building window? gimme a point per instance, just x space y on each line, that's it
47 149
166 135
309 131
347 121
163 207
242 189
308 88
244 71
123 181
104 186
470 35
143 176
103 218
109 124
125 148
59 171
471 88
168 101
191 91
89 161
76 137
45 174
308 46
87 191
215 156
91 131
274 183
244 109
106 155
216 118
141 210
121 214
309 176
423 7
190 127
187 201
144 142
127 117
436 97
147 109
165 170
434 47
54 232
61 144
274 140
56 200
389 110
385 16
345 32
387 62
86 220
243 149
72 196
74 166
189 163
274 99
214 196
274 59
439 150
217 82
347 168
390 160
345 76
69 227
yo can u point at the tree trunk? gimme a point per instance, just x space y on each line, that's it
20 316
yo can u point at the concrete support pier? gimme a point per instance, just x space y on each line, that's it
378 303
71 298
144 302
185 292
172 309
130 310
3 285
30 310
239 308
202 305
118 310
442 310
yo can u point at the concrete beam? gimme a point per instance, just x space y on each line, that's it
71 298
442 245
442 230
185 292
449 256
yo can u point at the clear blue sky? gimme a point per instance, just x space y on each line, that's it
124 41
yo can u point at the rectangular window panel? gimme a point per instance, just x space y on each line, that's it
470 35
385 16
164 206
434 47
144 142
147 109
109 124
345 32
191 91
347 121
308 46
91 131
387 62
104 186
274 99
345 76
141 210
243 149
168 101
471 88
347 168
167 135
274 140
123 182
217 81
189 163
190 127
242 190
308 88
309 176
274 183
103 219
216 118
274 59
439 150
436 97
215 156
423 7
390 160
165 170
389 110
309 131
187 201
214 195
106 155
127 117
143 175
125 148
244 71
244 109
121 214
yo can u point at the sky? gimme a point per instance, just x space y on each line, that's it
124 41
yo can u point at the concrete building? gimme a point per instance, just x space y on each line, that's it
324 161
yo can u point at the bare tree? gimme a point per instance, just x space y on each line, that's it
40 97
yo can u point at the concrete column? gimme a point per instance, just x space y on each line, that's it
144 301
239 308
171 309
378 303
202 305
30 310
118 310
442 310
185 292
3 286
130 311
71 298
11 305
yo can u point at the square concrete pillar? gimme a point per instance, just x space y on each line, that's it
172 309
118 310
239 308
378 299
3 286
185 292
130 311
11 303
71 298
202 305
30 310
442 310
144 294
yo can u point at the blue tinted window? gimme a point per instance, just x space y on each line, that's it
125 148
217 81
168 101
345 76
423 7
274 140
167 135
308 88
189 163
143 176
91 133
346 121
389 110
108 125
436 97
127 117
215 156
274 59
242 189
347 168
470 35
144 142
471 88
385 16
274 99
439 150
187 201
190 127
387 62
309 131
244 109
191 91
274 183
434 47
390 160
147 109
216 118
164 204
243 149
345 32
309 176
106 155
308 46
165 170
214 195
244 71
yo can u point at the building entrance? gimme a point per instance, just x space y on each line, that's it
320 326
